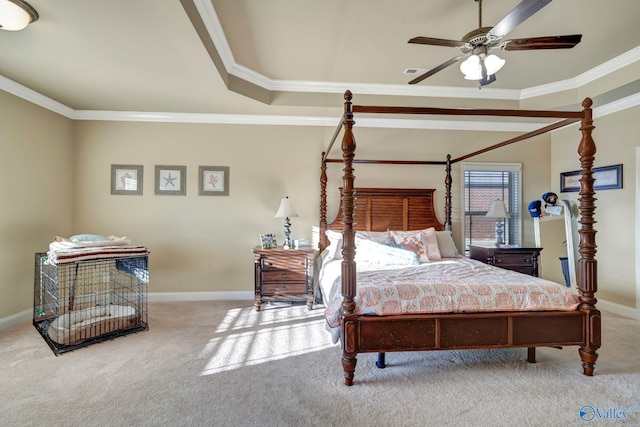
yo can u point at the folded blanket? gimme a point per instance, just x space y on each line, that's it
65 251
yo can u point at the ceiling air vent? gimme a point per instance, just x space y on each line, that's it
415 71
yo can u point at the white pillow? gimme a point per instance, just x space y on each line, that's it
375 236
335 240
334 250
446 244
386 253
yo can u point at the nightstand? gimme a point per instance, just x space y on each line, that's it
511 257
283 275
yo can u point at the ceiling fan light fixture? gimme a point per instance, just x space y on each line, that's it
493 63
472 66
15 15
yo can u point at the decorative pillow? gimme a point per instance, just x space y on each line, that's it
412 238
375 236
88 238
446 244
403 254
431 242
386 253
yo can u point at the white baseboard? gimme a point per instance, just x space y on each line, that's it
16 319
622 310
200 296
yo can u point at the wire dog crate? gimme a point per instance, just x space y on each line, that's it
84 302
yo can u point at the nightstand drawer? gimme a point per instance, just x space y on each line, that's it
513 259
280 275
284 288
284 263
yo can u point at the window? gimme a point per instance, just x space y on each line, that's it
483 183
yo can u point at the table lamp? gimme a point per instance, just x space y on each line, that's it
286 211
499 211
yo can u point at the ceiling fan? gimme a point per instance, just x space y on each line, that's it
479 64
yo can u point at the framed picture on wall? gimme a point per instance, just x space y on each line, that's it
606 178
126 180
213 180
171 180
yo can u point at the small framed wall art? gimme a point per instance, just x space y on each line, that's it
606 178
213 180
126 180
171 180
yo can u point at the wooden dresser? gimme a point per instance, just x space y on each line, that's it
283 275
511 257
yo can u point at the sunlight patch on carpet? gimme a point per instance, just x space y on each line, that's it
246 337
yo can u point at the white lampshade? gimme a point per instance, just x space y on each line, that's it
16 14
493 64
497 210
472 66
286 209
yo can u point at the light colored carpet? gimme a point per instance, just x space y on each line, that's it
223 364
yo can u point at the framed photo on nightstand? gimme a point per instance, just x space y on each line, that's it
268 241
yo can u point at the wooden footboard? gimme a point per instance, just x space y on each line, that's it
457 331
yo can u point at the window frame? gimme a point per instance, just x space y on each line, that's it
515 226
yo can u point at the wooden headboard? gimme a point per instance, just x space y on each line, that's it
381 209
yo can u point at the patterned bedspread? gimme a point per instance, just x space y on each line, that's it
451 285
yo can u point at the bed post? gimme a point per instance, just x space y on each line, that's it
587 264
447 197
348 245
323 240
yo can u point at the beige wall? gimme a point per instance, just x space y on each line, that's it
198 243
616 138
203 244
36 192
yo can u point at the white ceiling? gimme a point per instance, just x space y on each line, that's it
283 57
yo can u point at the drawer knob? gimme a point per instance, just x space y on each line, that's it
284 288
284 275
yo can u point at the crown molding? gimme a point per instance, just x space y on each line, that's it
628 58
617 105
248 119
34 97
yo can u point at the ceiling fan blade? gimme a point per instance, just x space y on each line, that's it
551 42
436 42
517 16
436 69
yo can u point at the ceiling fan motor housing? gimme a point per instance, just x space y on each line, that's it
477 36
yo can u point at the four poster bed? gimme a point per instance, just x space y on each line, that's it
458 303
